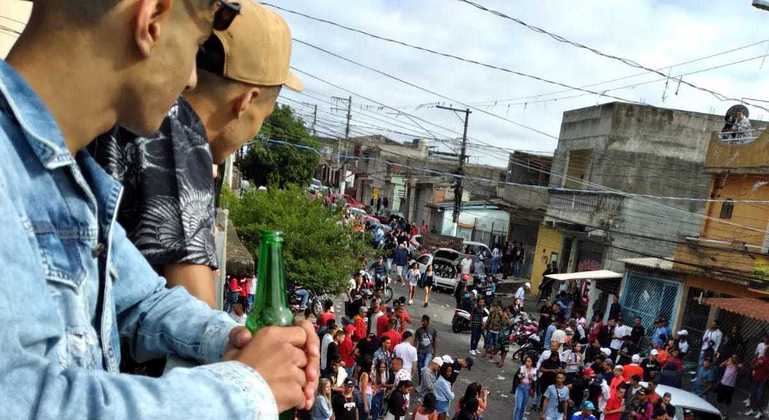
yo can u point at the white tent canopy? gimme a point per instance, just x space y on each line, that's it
586 275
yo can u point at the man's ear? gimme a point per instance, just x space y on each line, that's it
149 18
243 101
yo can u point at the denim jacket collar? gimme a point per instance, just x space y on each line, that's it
42 132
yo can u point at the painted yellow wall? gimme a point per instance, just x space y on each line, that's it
13 17
755 216
548 241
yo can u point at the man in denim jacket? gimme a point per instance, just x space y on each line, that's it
71 284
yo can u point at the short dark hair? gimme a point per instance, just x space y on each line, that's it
427 318
407 335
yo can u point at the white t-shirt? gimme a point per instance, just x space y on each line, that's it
619 333
760 348
408 353
466 264
252 286
714 336
520 294
327 339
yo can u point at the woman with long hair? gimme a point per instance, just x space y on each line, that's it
474 391
378 378
428 281
413 276
426 410
523 386
365 387
398 403
469 410
321 410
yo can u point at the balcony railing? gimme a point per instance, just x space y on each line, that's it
587 208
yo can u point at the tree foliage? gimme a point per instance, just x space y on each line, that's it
319 251
278 164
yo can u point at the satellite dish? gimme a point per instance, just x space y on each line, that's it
739 107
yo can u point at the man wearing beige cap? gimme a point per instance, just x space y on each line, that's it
168 203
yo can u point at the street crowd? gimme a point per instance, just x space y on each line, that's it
377 360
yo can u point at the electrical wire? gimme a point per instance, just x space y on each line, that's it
631 76
626 61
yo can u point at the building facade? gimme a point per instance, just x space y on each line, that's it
610 159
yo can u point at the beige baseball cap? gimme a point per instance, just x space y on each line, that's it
257 48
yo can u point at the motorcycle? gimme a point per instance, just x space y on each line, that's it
531 347
315 302
461 320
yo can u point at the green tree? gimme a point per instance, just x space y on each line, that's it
279 164
320 252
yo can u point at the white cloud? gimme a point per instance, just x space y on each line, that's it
654 33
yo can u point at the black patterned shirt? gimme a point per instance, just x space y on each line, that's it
168 198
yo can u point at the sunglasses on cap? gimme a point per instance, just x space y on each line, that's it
226 12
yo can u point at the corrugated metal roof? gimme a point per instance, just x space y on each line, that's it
749 307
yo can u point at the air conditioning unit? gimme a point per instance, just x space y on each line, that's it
761 4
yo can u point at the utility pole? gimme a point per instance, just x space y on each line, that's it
342 166
460 171
314 120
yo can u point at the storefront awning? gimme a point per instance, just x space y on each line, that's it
749 307
586 275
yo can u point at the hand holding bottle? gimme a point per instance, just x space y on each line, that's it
278 355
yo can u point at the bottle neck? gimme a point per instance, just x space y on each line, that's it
271 287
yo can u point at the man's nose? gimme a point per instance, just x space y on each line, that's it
193 81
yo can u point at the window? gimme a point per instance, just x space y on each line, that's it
578 162
726 209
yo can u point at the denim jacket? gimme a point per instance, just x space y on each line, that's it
72 285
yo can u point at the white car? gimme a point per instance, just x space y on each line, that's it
358 212
444 262
685 400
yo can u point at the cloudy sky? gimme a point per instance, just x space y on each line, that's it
655 33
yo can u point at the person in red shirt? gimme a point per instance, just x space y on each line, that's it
633 368
360 325
760 377
347 348
383 321
617 381
392 333
244 284
404 318
327 314
616 404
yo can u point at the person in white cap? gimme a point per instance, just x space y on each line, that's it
429 375
633 368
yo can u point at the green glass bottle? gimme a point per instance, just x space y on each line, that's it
270 304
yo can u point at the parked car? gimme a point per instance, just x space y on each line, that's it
444 262
684 400
477 248
354 211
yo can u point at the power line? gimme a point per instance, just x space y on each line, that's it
673 78
449 55
634 75
427 90
626 61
